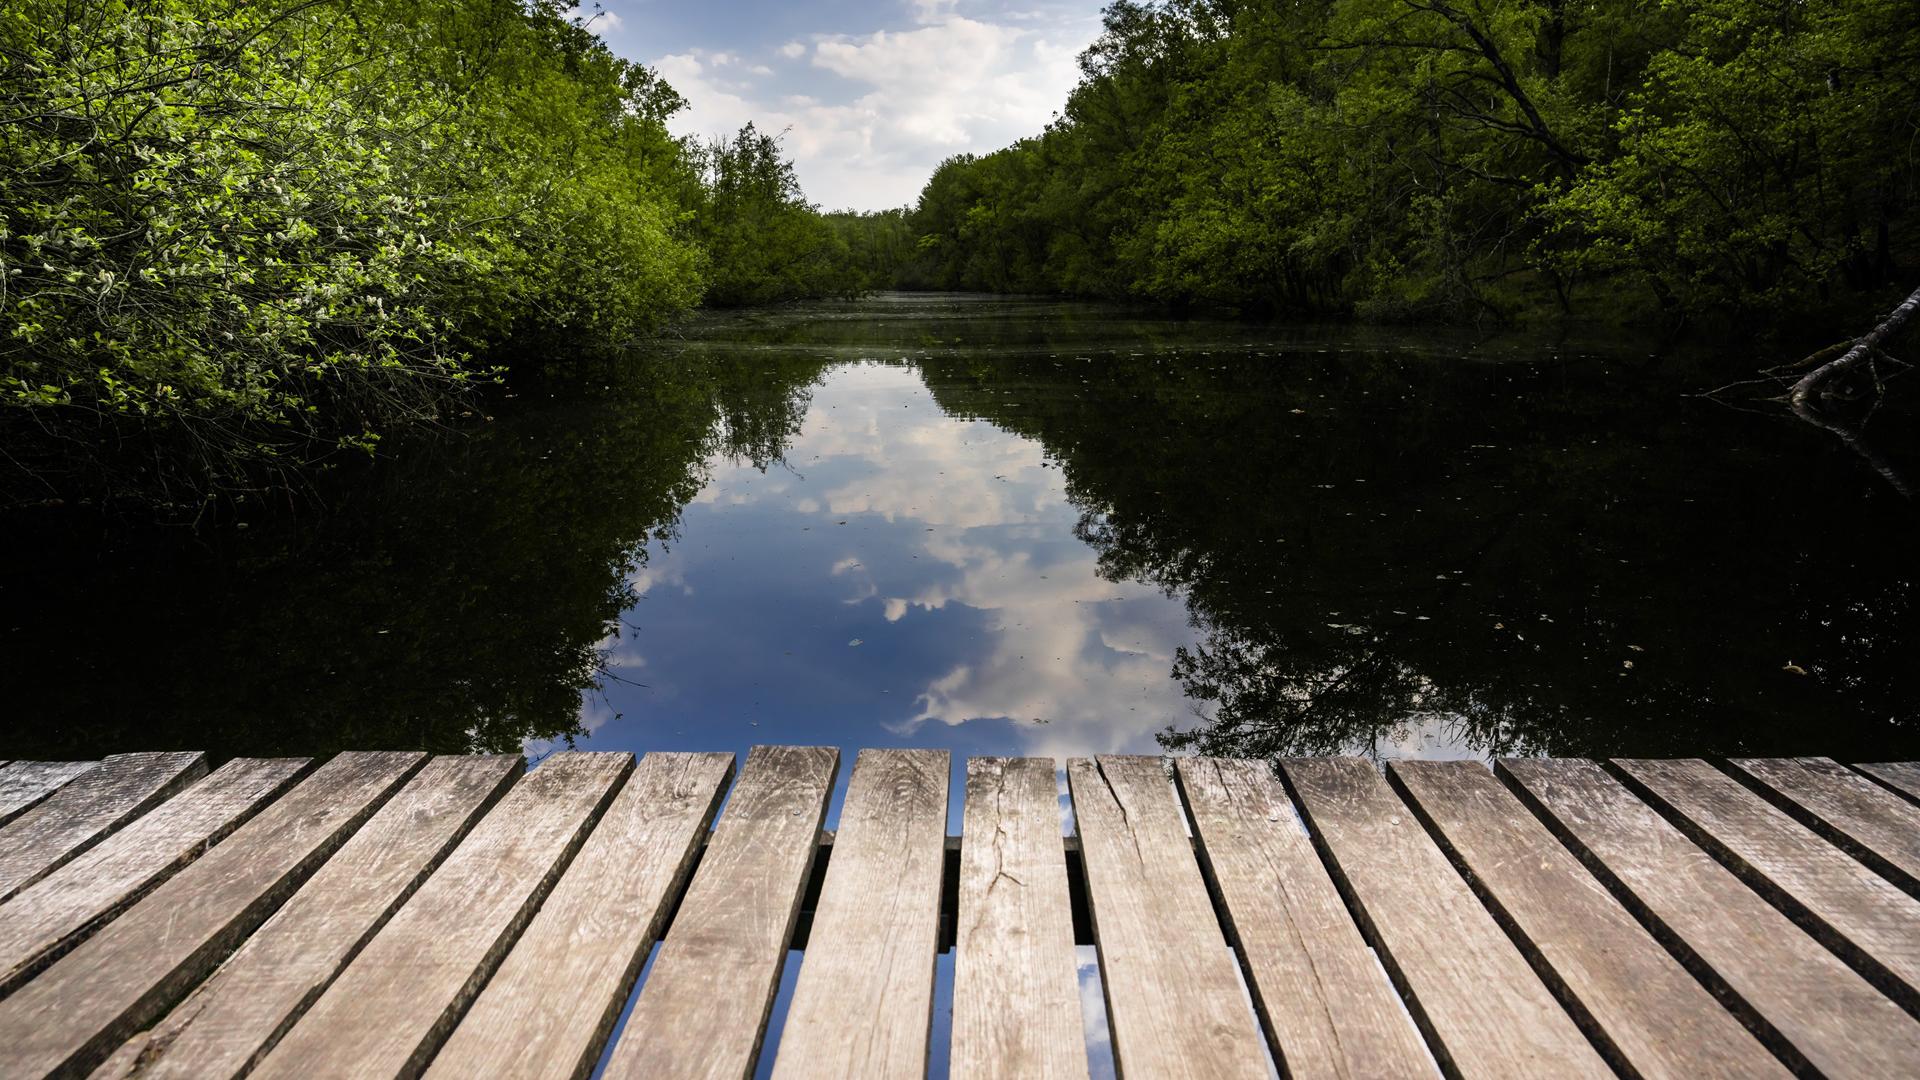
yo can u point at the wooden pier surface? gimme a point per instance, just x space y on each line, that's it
393 914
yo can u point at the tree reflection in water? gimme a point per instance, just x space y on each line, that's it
452 598
1385 541
1385 548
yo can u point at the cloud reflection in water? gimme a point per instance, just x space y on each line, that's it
944 546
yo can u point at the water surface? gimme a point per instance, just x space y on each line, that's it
1006 526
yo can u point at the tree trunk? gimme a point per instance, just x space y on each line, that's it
1854 357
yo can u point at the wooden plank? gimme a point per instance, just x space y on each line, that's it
1650 1015
390 1009
77 1011
548 1010
1483 1010
90 807
239 1013
56 912
24 783
1016 993
1328 1005
1879 827
1901 776
1814 1008
1867 919
703 1010
863 1003
1174 1002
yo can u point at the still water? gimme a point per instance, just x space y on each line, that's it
1020 527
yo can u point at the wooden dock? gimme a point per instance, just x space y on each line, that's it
390 914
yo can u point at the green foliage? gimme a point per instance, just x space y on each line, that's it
1769 153
1421 158
243 235
878 249
766 241
236 239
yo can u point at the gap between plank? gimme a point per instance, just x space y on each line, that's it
1356 911
1855 957
1722 991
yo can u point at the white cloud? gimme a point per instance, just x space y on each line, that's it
891 104
1085 657
647 578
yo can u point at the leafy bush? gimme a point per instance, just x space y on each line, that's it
235 238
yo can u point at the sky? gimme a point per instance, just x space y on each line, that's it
871 96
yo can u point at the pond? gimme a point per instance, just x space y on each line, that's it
1021 526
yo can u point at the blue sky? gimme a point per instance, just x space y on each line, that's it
872 96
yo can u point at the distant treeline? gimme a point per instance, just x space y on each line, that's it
1732 159
239 238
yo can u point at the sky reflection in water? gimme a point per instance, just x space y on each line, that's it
905 578
1021 527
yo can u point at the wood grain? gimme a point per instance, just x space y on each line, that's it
1483 1009
1814 1008
398 999
1016 994
548 1010
24 783
703 1010
1174 1003
81 812
239 1013
1654 1016
1876 825
1869 920
1327 1003
77 1011
58 911
1901 776
863 1002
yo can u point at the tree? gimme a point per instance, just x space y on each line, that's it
764 241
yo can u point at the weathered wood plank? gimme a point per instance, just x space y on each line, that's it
1901 776
24 783
1327 1003
547 1011
703 1010
77 1011
1174 1003
1483 1009
56 912
1650 1013
239 1013
1818 1009
390 1009
93 805
1016 998
1882 828
863 1003
1868 919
